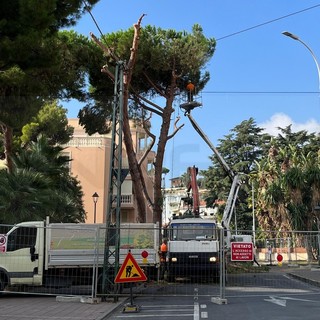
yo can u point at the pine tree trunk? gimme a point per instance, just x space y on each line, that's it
163 138
135 170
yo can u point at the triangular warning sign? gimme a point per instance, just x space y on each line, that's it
130 271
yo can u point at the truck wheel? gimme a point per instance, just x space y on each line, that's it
3 281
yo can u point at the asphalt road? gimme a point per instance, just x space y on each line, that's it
275 296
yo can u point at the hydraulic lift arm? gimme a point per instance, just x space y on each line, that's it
236 182
193 171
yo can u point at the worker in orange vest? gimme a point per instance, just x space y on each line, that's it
163 257
163 251
190 88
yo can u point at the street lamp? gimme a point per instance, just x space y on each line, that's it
294 37
95 197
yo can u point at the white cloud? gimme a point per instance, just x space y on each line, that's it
282 120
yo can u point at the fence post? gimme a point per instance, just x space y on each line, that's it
222 256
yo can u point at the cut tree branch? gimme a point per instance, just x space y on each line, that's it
134 50
151 135
155 86
137 95
176 129
107 71
104 48
145 107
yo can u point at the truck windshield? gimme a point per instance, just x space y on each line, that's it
199 231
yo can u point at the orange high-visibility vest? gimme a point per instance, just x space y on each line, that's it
163 247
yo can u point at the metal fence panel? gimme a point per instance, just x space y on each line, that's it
71 258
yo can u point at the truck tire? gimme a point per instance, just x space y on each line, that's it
3 281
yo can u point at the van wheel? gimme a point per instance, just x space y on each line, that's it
3 281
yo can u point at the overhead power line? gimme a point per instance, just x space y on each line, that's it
87 7
267 22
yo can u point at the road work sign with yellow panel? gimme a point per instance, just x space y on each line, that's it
130 271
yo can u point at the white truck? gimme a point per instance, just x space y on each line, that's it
193 249
39 253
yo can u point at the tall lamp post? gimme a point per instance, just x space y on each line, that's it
294 37
95 197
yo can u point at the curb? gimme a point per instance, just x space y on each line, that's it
115 307
304 279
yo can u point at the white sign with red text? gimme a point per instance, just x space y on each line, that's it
242 251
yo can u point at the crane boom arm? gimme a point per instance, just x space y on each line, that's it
236 182
211 146
193 171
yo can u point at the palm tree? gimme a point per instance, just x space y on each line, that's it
19 195
288 193
40 186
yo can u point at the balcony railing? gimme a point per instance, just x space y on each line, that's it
86 142
126 199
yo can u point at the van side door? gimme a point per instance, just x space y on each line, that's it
21 259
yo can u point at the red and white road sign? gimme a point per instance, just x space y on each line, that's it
3 243
242 251
130 271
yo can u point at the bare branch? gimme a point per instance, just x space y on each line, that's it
155 86
176 129
151 135
108 72
134 50
140 19
104 48
137 97
153 139
147 100
108 52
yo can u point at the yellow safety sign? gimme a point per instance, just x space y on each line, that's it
130 271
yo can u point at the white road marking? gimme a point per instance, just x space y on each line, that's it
196 311
279 302
161 312
305 300
203 314
282 301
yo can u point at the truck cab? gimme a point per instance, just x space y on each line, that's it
193 249
22 254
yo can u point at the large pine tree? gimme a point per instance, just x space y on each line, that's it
36 61
159 65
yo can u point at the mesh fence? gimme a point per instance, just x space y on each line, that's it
70 259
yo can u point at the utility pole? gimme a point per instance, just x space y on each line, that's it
116 177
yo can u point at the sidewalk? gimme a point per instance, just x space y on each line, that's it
307 274
23 307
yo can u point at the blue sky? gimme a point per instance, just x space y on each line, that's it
256 73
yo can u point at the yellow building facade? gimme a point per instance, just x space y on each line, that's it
90 164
